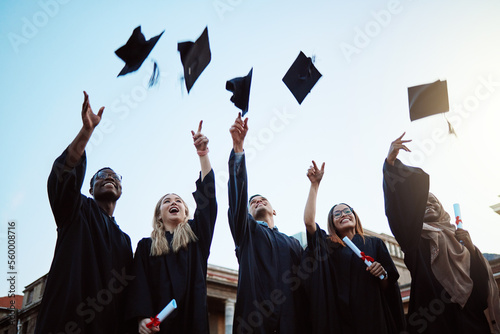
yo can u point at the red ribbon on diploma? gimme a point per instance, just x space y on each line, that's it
458 220
366 257
154 322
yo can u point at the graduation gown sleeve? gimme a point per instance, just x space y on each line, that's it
405 192
239 221
63 188
203 223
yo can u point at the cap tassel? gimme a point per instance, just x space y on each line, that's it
153 80
451 130
181 81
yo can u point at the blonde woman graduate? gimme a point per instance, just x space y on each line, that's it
172 263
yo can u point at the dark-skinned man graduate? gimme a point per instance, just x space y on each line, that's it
89 273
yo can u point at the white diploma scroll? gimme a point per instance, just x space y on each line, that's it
356 250
167 310
458 215
163 314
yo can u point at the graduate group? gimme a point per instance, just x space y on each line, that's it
96 284
343 282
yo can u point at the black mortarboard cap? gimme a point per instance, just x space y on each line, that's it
301 77
136 50
241 91
194 57
427 100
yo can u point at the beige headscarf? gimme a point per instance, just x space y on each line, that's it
450 263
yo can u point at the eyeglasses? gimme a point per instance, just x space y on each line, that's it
338 213
104 175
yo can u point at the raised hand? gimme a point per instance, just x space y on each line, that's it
200 140
238 132
397 145
89 119
315 174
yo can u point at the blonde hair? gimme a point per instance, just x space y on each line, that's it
334 237
183 234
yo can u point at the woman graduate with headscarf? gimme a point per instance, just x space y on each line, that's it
172 263
452 286
346 296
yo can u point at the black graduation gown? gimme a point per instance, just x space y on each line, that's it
268 296
343 296
406 190
180 276
90 271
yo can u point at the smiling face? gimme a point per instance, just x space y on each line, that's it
260 207
172 210
343 219
432 209
107 186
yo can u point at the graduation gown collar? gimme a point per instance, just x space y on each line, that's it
263 223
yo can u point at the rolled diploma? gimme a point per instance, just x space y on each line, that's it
356 250
163 314
458 216
167 310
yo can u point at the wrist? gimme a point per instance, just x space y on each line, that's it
202 153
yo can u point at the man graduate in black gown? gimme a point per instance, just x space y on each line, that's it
452 287
268 290
89 273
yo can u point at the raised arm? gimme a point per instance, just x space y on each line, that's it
238 216
398 144
315 175
238 132
68 171
201 142
405 193
89 122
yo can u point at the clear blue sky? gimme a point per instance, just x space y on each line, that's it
369 52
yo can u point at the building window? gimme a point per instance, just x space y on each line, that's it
25 327
30 297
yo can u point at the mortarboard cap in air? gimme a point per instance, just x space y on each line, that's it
301 77
136 50
427 100
194 57
241 91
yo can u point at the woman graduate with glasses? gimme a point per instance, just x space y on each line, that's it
346 296
172 263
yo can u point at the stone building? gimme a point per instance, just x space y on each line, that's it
221 293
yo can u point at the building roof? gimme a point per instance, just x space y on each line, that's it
6 301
